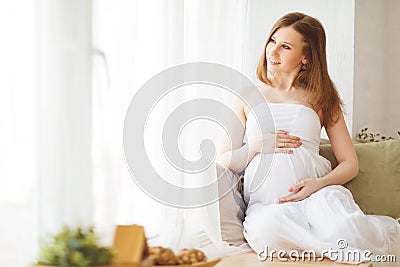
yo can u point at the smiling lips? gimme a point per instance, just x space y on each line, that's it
273 61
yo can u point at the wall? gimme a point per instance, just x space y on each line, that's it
376 66
337 17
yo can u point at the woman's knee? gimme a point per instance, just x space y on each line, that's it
265 228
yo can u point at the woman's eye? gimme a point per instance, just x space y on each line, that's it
286 47
272 41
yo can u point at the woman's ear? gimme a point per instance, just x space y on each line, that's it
304 61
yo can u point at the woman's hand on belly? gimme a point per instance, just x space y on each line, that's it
302 190
275 142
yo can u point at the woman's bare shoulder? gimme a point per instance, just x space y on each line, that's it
254 95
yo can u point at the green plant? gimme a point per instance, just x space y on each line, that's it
365 136
75 248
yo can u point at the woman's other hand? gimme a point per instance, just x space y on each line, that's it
302 190
275 142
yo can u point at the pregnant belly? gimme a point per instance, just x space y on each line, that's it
268 178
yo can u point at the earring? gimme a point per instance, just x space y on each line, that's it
303 67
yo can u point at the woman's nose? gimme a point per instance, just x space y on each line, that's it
273 50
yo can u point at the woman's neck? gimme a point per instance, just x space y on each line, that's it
283 81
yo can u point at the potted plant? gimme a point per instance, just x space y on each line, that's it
75 248
366 137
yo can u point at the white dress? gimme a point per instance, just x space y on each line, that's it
329 219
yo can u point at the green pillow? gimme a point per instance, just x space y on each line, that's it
376 189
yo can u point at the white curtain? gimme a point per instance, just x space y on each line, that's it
45 123
18 81
64 115
134 40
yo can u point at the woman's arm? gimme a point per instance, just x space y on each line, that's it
345 154
237 159
231 153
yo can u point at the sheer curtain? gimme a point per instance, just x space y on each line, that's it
64 116
45 157
18 119
133 41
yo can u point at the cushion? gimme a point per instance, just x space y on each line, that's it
376 189
231 206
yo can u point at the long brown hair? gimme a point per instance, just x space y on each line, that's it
315 77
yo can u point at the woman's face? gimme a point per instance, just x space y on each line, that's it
284 51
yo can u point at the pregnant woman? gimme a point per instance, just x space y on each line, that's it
295 200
